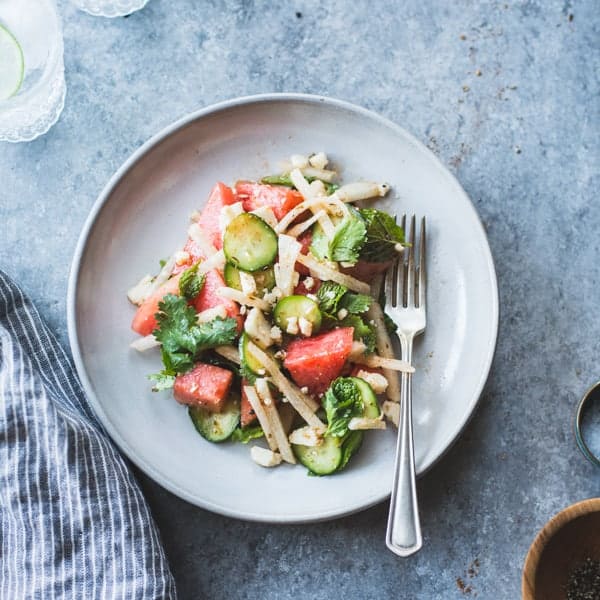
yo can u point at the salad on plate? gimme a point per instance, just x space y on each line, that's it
269 319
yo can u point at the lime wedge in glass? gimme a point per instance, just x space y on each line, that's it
12 64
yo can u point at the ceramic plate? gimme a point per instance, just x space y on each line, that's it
141 217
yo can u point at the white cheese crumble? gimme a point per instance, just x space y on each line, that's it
228 213
309 283
264 457
292 325
299 161
181 257
376 380
318 160
248 283
305 327
342 314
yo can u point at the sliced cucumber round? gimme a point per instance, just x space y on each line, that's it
323 459
371 410
297 307
217 427
249 243
265 279
12 64
249 360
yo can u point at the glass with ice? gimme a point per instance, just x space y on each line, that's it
32 82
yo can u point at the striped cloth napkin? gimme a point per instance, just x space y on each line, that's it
74 523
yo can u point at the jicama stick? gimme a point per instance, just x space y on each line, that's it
264 393
261 415
360 423
240 298
229 352
325 273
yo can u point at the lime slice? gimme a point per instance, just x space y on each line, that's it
12 64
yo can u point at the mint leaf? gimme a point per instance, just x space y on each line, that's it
348 239
329 296
382 235
355 303
342 402
245 434
190 283
362 332
182 338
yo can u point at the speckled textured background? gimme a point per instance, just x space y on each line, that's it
507 95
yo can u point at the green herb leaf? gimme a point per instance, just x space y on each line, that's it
348 239
383 233
355 303
283 179
350 447
389 323
342 402
329 296
245 434
162 262
362 332
330 187
191 283
182 338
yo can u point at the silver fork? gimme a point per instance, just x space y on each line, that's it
405 303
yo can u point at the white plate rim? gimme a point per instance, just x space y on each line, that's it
89 223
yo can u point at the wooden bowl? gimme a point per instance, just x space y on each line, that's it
567 539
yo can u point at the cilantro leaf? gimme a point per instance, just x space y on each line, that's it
182 338
362 332
342 402
355 303
382 233
191 283
245 434
348 239
162 262
162 381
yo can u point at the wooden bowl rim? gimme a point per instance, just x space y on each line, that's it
557 522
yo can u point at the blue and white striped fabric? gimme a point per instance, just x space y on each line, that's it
74 523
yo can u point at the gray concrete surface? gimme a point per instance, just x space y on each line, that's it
507 94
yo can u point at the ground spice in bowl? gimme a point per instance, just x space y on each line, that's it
584 581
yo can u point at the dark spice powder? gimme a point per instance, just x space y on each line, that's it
584 581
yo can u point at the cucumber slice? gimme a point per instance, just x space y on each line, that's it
265 280
249 243
248 359
368 397
297 306
217 427
323 459
12 64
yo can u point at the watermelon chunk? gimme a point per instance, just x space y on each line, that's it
205 385
208 297
279 198
221 195
144 321
316 361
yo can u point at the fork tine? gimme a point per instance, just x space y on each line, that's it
422 280
410 271
401 280
390 285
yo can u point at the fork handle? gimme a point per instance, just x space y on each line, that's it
403 535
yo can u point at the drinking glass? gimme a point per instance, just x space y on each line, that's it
32 80
110 8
